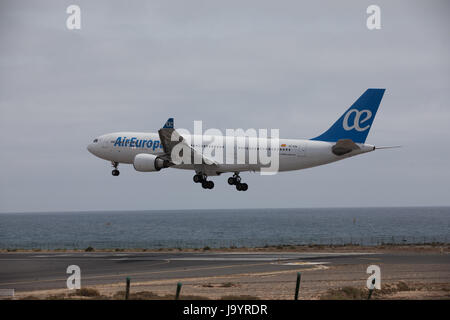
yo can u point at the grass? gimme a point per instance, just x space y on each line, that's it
30 298
240 297
388 291
85 292
149 295
346 293
352 293
219 285
227 285
93 294
89 293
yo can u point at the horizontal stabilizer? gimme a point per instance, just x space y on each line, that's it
344 146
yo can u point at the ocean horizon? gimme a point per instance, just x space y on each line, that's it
216 228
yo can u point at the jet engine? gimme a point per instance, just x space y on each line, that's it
145 162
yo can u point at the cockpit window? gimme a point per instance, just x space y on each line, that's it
95 140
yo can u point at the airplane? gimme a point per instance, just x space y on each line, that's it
151 152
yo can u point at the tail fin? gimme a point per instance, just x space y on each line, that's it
355 123
169 123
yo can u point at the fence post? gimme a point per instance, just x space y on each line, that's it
371 290
127 290
370 294
177 295
297 286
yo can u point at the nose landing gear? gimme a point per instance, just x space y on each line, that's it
115 172
236 180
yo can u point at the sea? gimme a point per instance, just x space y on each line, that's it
228 228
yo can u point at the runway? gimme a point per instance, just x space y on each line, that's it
42 271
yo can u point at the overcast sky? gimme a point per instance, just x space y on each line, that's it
233 64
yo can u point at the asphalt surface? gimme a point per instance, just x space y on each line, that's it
40 271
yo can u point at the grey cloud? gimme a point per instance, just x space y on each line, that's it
237 64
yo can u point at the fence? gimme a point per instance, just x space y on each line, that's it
230 243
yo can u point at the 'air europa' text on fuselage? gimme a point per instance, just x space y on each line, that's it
137 143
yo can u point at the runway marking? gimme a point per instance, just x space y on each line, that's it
228 276
299 263
304 254
71 259
141 273
229 259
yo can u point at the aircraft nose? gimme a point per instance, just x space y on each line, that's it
90 148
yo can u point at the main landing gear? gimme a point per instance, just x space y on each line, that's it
236 180
115 172
201 178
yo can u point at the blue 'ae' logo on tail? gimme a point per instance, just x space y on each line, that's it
169 123
355 123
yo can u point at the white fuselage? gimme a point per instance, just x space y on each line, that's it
293 154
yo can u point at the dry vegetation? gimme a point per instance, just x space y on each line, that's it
397 290
389 291
93 294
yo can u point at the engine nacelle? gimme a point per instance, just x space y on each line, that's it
145 162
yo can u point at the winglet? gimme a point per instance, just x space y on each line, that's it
169 124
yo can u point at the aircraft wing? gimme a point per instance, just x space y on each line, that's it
170 138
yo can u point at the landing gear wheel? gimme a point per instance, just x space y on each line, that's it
207 184
235 179
115 172
241 186
197 178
